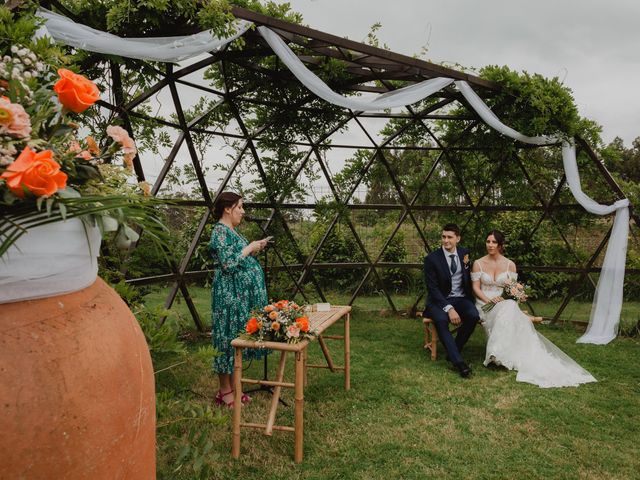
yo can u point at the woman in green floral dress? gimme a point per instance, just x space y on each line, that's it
238 287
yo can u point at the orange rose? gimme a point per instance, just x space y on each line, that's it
281 304
303 324
273 315
75 92
275 326
38 173
269 308
252 326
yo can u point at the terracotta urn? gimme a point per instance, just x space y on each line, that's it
77 394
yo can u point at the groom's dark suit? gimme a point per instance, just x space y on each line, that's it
437 275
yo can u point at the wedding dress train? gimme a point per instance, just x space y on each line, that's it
513 342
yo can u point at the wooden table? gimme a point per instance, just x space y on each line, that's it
319 321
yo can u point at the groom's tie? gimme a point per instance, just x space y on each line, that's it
454 267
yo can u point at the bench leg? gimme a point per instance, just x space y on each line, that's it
431 339
434 341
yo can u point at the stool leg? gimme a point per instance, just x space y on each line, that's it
237 403
299 408
347 352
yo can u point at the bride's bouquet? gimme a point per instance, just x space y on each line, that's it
512 290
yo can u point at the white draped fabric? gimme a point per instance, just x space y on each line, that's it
607 304
607 301
397 98
161 49
494 122
49 260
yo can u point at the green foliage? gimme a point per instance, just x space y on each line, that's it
396 280
622 161
533 104
184 435
184 423
18 26
339 247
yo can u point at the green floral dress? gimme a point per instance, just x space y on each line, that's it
238 287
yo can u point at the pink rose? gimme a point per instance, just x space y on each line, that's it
293 331
14 120
74 146
121 136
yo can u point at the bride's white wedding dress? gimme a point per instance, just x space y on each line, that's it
513 342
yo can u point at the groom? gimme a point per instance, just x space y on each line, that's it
450 299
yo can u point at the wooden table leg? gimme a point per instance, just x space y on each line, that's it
325 352
275 398
305 360
347 352
299 407
237 402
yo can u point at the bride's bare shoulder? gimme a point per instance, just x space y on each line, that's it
476 264
512 265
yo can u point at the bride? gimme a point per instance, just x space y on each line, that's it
513 342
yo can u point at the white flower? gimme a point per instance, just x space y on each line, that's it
14 49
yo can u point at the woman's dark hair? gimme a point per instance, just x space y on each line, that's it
500 239
225 200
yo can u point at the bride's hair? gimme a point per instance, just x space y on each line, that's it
499 236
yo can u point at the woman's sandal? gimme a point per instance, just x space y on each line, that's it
220 401
220 398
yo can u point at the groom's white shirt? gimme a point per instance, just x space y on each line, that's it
456 278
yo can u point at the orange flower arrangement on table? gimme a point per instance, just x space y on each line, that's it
48 171
281 321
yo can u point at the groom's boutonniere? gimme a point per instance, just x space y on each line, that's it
465 260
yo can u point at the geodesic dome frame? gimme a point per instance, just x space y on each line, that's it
368 70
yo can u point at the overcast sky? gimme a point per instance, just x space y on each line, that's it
592 45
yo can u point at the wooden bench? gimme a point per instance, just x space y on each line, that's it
318 321
431 334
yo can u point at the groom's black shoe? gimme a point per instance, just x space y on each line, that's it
463 369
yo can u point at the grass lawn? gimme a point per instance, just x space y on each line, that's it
575 311
407 417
